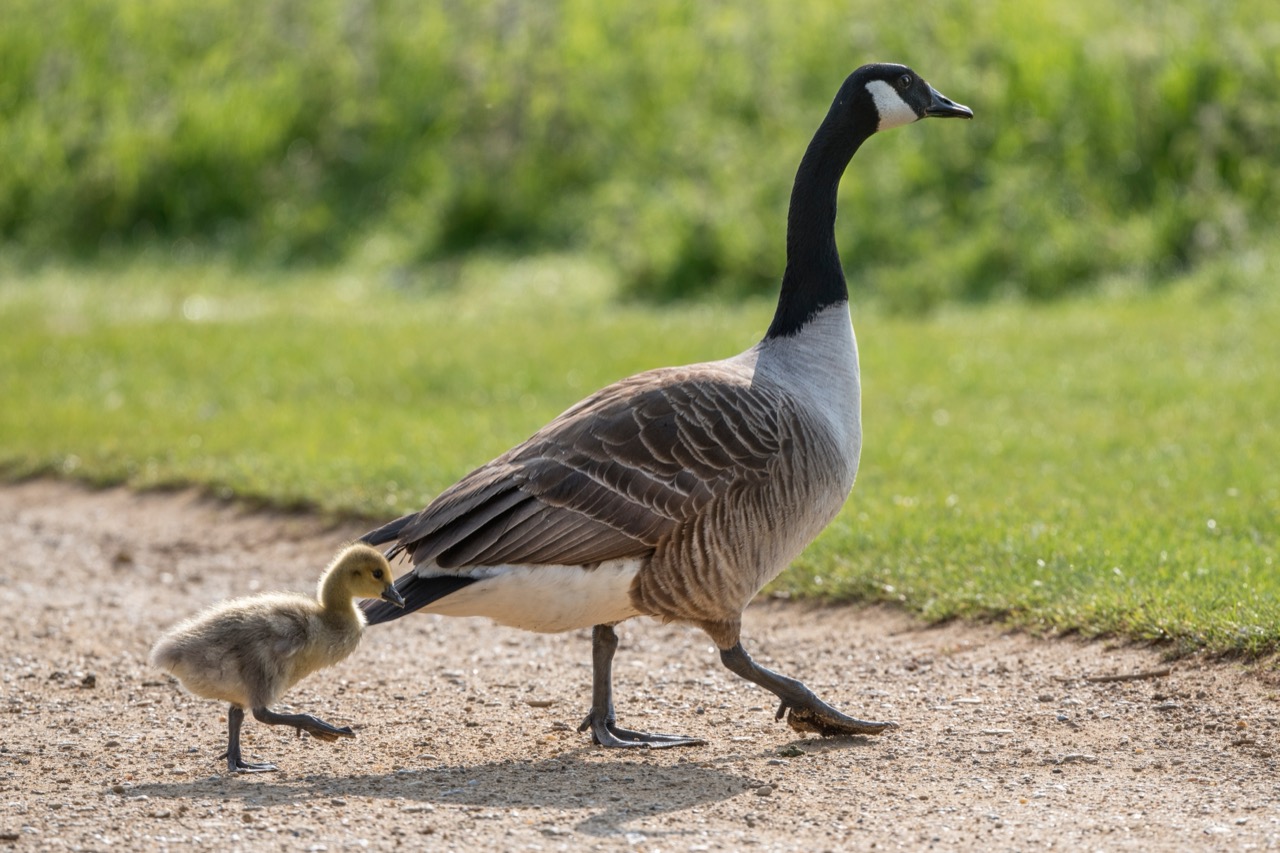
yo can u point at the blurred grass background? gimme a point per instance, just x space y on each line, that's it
309 254
1135 138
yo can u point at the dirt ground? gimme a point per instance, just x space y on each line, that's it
467 732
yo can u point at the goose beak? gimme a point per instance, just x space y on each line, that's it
392 595
940 106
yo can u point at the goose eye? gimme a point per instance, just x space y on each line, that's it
905 81
377 574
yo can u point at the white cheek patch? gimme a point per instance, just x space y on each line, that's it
894 112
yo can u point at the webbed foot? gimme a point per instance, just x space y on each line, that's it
313 726
827 721
600 719
804 711
236 764
607 733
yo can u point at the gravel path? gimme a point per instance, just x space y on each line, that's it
467 732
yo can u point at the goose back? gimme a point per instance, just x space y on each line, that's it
695 485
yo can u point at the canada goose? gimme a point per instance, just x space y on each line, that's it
251 650
678 493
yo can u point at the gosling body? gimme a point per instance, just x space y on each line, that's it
248 652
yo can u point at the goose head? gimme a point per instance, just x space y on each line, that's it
892 95
364 573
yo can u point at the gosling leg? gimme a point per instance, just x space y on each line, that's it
808 712
235 764
313 726
600 719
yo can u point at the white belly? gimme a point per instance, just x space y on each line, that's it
549 599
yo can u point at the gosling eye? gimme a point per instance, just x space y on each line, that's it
905 81
377 574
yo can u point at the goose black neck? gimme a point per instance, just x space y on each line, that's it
814 279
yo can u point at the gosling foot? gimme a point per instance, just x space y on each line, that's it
313 726
321 730
607 733
236 764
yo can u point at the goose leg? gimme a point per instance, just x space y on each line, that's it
313 726
235 764
808 712
600 719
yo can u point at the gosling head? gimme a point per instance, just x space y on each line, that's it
897 96
365 573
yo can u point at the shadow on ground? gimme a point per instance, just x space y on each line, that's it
621 791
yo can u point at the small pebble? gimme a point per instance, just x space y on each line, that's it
539 703
764 791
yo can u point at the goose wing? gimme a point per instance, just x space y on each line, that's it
608 479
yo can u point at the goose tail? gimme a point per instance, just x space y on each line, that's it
417 593
388 532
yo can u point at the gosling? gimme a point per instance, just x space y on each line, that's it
249 651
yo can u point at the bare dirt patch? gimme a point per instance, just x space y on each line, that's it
467 732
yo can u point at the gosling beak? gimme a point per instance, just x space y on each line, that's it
940 106
392 595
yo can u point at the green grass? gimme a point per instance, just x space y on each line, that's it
1106 466
1110 137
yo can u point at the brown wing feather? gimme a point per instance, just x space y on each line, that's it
610 478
